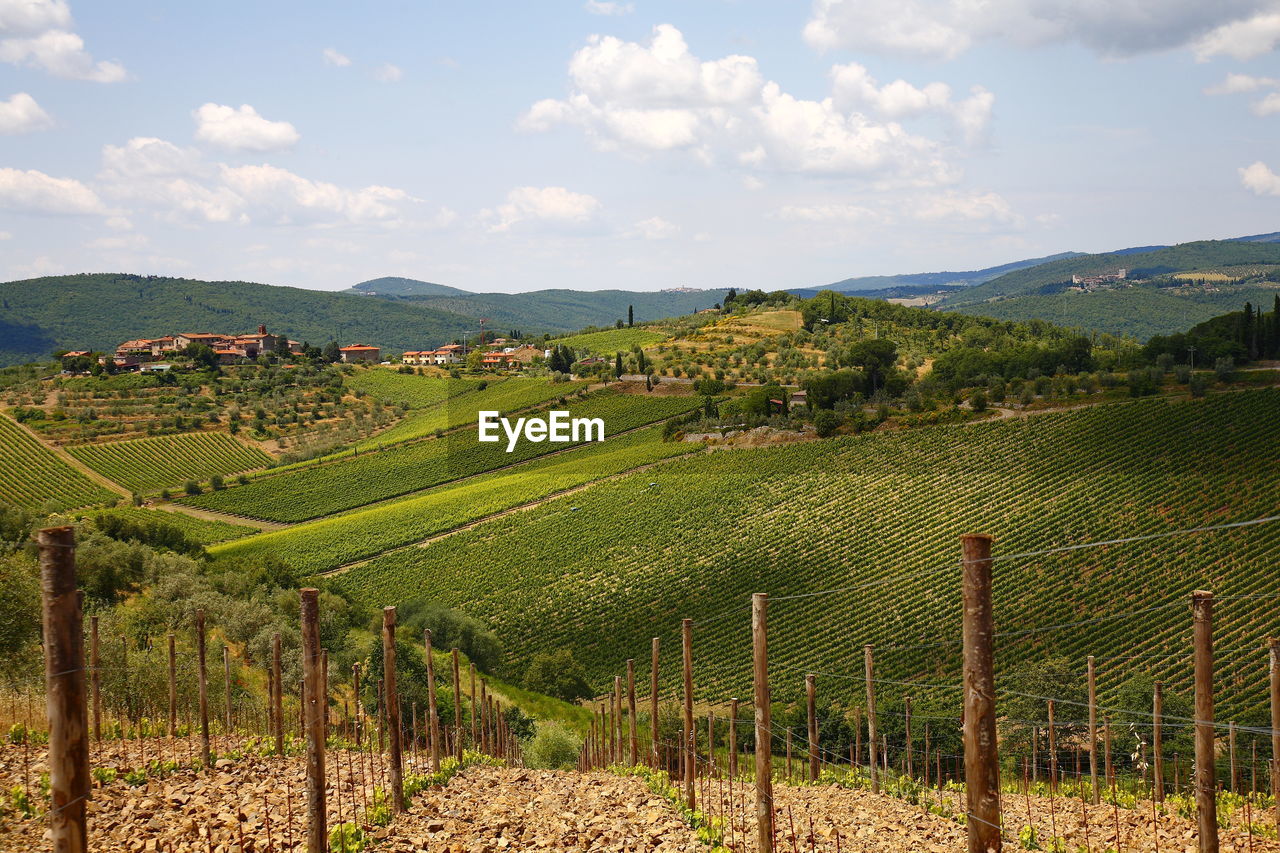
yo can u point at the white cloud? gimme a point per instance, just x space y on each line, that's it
179 184
654 97
130 242
1260 179
5 235
31 191
37 33
242 129
828 213
1241 39
1270 105
21 114
654 228
553 205
332 57
947 28
1235 84
388 73
988 207
605 7
751 182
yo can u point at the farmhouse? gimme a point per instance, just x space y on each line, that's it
228 348
360 353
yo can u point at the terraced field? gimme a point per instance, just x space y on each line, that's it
459 406
332 542
857 541
319 490
151 464
32 476
611 341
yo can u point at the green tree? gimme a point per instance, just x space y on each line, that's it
631 315
826 422
557 674
19 609
331 353
875 357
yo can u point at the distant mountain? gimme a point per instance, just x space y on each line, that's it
542 310
1040 292
932 281
99 311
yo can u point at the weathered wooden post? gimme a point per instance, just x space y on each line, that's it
432 711
764 723
173 686
811 705
982 766
686 636
457 706
313 721
277 701
475 732
733 738
654 747
226 687
617 718
631 711
1206 778
94 675
907 722
63 623
393 707
1093 732
1274 644
869 664
1157 739
203 676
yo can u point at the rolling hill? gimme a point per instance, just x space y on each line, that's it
98 311
555 310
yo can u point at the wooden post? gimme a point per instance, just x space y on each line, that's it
869 664
173 687
1093 732
63 622
711 743
1053 752
94 679
686 636
317 841
857 734
432 712
631 711
393 707
457 706
811 705
226 687
203 675
764 723
1206 781
617 719
1157 739
982 766
475 733
907 723
733 738
1274 644
1106 748
486 719
277 701
655 755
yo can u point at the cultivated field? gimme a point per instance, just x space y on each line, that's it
150 464
34 477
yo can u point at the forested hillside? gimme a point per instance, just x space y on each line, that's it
99 311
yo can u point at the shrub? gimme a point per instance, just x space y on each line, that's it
826 422
558 675
1224 368
217 483
978 400
192 487
553 747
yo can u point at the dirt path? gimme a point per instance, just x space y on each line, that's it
75 463
211 515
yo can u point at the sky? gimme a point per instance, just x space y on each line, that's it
511 146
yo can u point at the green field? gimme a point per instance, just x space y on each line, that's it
151 464
876 521
612 341
318 490
332 542
32 476
407 389
200 530
461 404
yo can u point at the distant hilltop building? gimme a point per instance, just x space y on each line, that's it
681 290
229 348
1095 280
360 353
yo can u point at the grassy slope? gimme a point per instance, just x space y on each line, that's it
612 341
42 314
328 543
867 516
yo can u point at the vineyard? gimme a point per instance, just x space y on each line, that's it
328 543
611 341
150 464
463 401
204 531
33 477
318 490
874 520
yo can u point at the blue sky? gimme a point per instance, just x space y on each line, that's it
517 146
